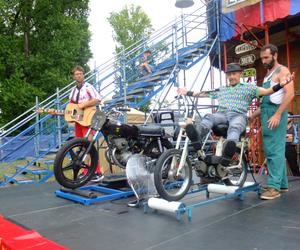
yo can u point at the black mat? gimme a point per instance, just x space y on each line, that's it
231 224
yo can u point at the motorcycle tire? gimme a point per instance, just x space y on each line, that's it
177 187
237 176
68 165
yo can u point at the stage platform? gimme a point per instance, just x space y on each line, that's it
231 224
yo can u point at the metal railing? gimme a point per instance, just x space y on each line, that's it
171 46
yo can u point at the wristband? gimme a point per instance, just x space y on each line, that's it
276 87
190 93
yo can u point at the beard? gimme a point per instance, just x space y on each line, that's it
269 65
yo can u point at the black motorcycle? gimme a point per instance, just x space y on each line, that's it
76 161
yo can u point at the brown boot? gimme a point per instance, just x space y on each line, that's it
270 194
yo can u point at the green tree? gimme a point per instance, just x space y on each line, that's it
40 41
130 25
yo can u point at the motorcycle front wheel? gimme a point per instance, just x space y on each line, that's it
169 185
74 166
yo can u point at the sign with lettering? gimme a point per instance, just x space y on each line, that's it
249 72
230 3
234 5
246 60
245 47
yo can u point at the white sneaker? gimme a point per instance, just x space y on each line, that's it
97 178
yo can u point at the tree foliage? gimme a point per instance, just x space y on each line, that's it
130 26
40 41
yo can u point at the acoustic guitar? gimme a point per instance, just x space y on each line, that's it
73 114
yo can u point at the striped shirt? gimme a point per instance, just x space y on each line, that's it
86 93
235 98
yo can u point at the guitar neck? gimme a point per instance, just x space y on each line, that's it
73 114
53 111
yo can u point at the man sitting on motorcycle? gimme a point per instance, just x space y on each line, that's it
234 101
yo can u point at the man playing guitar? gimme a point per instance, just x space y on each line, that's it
84 95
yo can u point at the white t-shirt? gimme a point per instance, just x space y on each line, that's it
278 96
86 93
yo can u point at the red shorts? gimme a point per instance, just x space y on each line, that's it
80 131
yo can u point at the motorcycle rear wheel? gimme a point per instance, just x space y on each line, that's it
70 170
237 176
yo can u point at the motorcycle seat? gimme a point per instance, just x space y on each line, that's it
221 130
151 130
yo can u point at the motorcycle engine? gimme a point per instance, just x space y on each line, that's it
221 171
120 143
120 157
211 171
120 151
200 168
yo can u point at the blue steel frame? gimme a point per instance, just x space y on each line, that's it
110 194
239 193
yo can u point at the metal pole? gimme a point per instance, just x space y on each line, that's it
266 33
96 78
225 59
176 43
212 84
176 84
184 43
288 59
124 83
219 40
261 11
225 56
59 133
37 130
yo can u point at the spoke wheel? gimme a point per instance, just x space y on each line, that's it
169 185
70 170
236 176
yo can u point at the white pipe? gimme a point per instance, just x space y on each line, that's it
164 205
221 189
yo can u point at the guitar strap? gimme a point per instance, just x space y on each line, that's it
78 93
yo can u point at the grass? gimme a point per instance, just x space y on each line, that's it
8 168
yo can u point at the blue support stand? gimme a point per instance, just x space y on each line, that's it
232 192
239 192
88 195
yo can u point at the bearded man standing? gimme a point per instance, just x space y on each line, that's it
273 115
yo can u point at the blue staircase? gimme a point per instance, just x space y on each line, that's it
176 47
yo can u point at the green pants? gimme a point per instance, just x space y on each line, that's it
274 147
